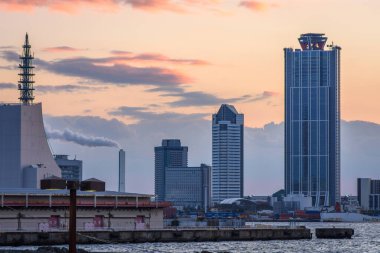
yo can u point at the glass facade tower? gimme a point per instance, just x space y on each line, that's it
169 155
312 120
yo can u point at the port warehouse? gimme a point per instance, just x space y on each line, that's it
48 210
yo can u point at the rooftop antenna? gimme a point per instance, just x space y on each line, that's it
25 84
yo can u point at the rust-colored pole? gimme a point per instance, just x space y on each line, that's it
73 218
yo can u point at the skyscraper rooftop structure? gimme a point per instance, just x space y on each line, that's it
227 154
312 120
312 41
25 156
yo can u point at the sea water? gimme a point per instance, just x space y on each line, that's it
365 239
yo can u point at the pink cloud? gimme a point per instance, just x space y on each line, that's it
125 56
256 5
70 6
121 53
154 5
61 49
263 96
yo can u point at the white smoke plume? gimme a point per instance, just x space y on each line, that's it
80 139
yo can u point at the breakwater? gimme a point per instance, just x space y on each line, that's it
165 235
334 233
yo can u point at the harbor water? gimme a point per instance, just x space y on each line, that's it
365 239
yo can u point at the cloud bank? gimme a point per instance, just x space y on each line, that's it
199 98
152 6
7 86
61 49
264 149
153 57
101 70
65 88
144 114
115 70
69 6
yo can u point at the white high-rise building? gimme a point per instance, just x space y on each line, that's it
227 154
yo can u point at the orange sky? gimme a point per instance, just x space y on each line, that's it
225 49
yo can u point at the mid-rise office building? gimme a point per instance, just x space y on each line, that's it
169 155
227 154
369 193
71 169
188 186
312 120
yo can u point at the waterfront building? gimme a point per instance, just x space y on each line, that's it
188 186
227 154
312 120
369 193
169 155
48 210
25 156
71 169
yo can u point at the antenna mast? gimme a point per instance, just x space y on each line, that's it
25 84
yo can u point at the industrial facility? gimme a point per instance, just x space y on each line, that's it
34 190
48 210
25 156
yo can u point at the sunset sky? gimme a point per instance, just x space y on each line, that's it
133 60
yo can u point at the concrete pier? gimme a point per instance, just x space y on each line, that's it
165 235
334 233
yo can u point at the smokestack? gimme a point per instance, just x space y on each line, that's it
121 170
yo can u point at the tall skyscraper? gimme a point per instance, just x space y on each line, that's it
312 120
70 169
25 156
169 155
227 154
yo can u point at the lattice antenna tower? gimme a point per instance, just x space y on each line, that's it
25 84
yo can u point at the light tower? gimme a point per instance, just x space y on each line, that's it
25 84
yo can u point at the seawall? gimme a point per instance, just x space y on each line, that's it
166 235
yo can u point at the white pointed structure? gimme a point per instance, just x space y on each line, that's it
121 170
25 156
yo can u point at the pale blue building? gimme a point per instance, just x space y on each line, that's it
188 186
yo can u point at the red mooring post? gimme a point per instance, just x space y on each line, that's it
73 186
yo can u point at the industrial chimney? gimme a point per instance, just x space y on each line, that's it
121 170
